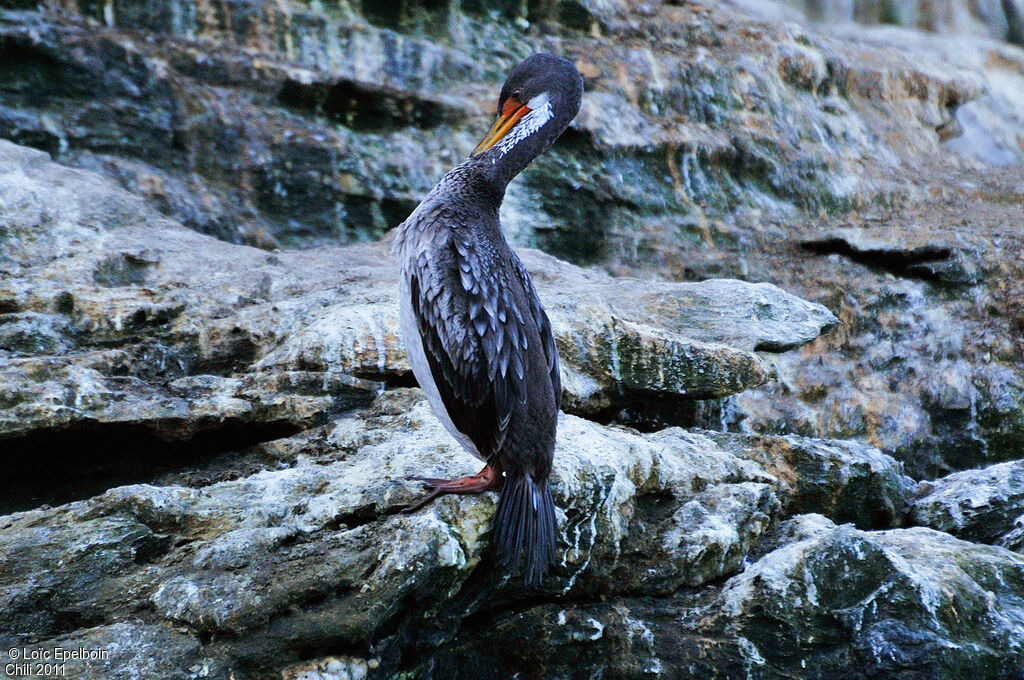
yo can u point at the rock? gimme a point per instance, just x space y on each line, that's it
923 368
331 668
33 333
1000 20
229 429
986 128
290 558
51 394
713 152
908 601
171 335
257 569
928 261
843 480
93 94
329 139
986 505
836 603
122 649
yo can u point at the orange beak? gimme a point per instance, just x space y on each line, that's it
511 113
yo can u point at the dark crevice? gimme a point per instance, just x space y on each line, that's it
336 647
650 415
47 619
1014 22
81 461
69 621
149 549
911 263
309 651
360 517
301 632
363 107
35 73
392 380
406 15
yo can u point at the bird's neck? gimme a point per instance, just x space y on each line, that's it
478 184
501 165
474 182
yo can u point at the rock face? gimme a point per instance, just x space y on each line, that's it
860 168
114 322
1000 19
984 505
780 264
310 555
863 604
891 617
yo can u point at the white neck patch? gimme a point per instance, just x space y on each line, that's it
540 113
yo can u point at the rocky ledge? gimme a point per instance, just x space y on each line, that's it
679 549
205 445
242 417
123 330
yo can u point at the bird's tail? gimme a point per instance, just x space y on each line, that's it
525 527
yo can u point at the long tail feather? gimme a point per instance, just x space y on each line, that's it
525 527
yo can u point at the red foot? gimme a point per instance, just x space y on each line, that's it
488 478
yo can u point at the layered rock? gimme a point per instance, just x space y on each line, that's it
826 160
927 364
985 505
311 555
120 321
990 18
229 428
862 604
832 602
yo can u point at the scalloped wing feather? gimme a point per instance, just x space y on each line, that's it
475 341
547 337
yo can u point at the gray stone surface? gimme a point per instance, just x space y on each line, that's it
999 19
250 572
911 602
845 480
832 602
118 316
716 140
985 505
205 416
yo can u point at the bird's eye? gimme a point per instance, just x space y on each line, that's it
517 93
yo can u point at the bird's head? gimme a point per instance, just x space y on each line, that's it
538 101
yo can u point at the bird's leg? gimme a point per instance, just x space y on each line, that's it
488 478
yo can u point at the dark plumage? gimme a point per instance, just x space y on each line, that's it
478 339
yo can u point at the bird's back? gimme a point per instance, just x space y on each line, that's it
487 348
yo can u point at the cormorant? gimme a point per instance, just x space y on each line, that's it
477 336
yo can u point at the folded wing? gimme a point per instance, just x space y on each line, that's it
474 337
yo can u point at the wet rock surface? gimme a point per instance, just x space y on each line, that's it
872 490
985 505
832 602
992 18
312 553
175 336
857 604
780 264
870 169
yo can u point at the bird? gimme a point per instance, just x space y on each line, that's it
478 339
